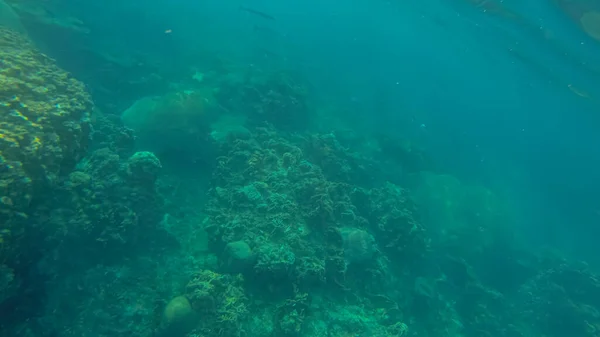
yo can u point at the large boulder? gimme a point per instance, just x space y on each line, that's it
173 126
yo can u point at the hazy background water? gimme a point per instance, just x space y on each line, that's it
505 97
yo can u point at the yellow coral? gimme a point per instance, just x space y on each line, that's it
44 125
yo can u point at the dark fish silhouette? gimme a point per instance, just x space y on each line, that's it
257 13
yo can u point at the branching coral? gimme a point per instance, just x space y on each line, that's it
290 314
220 301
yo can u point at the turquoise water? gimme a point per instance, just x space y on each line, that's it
299 168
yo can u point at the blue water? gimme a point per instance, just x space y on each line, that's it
215 232
488 88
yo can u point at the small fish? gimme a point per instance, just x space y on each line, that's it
168 31
578 92
257 13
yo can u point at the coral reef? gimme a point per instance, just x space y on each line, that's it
109 132
44 131
359 245
306 230
112 205
296 232
273 97
125 299
220 302
174 126
563 299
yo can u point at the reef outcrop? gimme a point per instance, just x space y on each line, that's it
44 132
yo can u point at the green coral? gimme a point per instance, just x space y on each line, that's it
221 302
290 315
311 230
44 120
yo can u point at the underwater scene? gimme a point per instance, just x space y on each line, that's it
316 168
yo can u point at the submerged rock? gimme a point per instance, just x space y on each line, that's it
238 257
179 317
175 126
359 245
